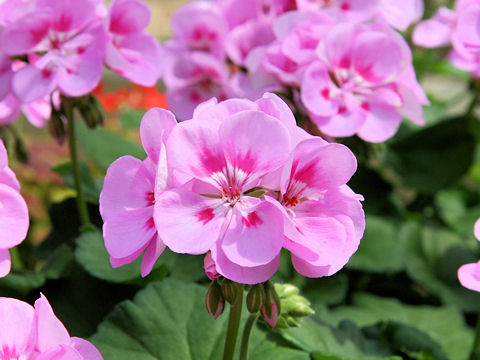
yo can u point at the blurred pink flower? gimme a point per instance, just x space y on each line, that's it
71 38
354 89
131 189
29 333
131 51
469 274
13 213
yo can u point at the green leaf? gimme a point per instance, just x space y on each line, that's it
433 258
382 248
104 147
90 185
168 321
444 325
345 342
93 256
433 158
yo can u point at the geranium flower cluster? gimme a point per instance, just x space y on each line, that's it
238 182
13 213
457 28
29 333
323 56
53 47
469 274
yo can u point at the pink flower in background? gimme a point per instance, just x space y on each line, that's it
401 14
29 333
131 51
71 39
356 89
192 78
131 189
200 26
469 274
13 213
350 10
437 31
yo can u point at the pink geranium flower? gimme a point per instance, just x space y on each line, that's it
129 193
354 89
71 39
13 213
469 274
29 333
131 51
226 157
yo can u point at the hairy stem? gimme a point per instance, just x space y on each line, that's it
233 325
246 336
72 143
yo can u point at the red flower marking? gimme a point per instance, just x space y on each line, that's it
252 220
205 215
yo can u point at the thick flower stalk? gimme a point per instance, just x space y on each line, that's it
29 333
13 213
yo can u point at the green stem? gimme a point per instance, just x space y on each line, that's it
81 202
233 324
475 355
246 336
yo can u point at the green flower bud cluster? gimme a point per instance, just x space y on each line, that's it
294 306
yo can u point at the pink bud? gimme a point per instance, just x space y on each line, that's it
214 300
271 308
210 268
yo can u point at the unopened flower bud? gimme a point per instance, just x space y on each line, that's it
271 308
210 268
231 290
56 126
294 306
89 107
255 298
214 300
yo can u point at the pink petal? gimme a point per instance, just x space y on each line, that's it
22 36
69 15
156 126
31 83
374 65
338 44
3 156
307 269
8 177
136 57
50 330
219 112
13 217
476 230
315 165
194 148
345 123
240 274
152 253
128 16
254 142
117 262
318 91
38 112
127 232
117 194
381 124
254 236
469 276
402 14
10 109
61 352
437 31
86 349
17 329
189 223
5 262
